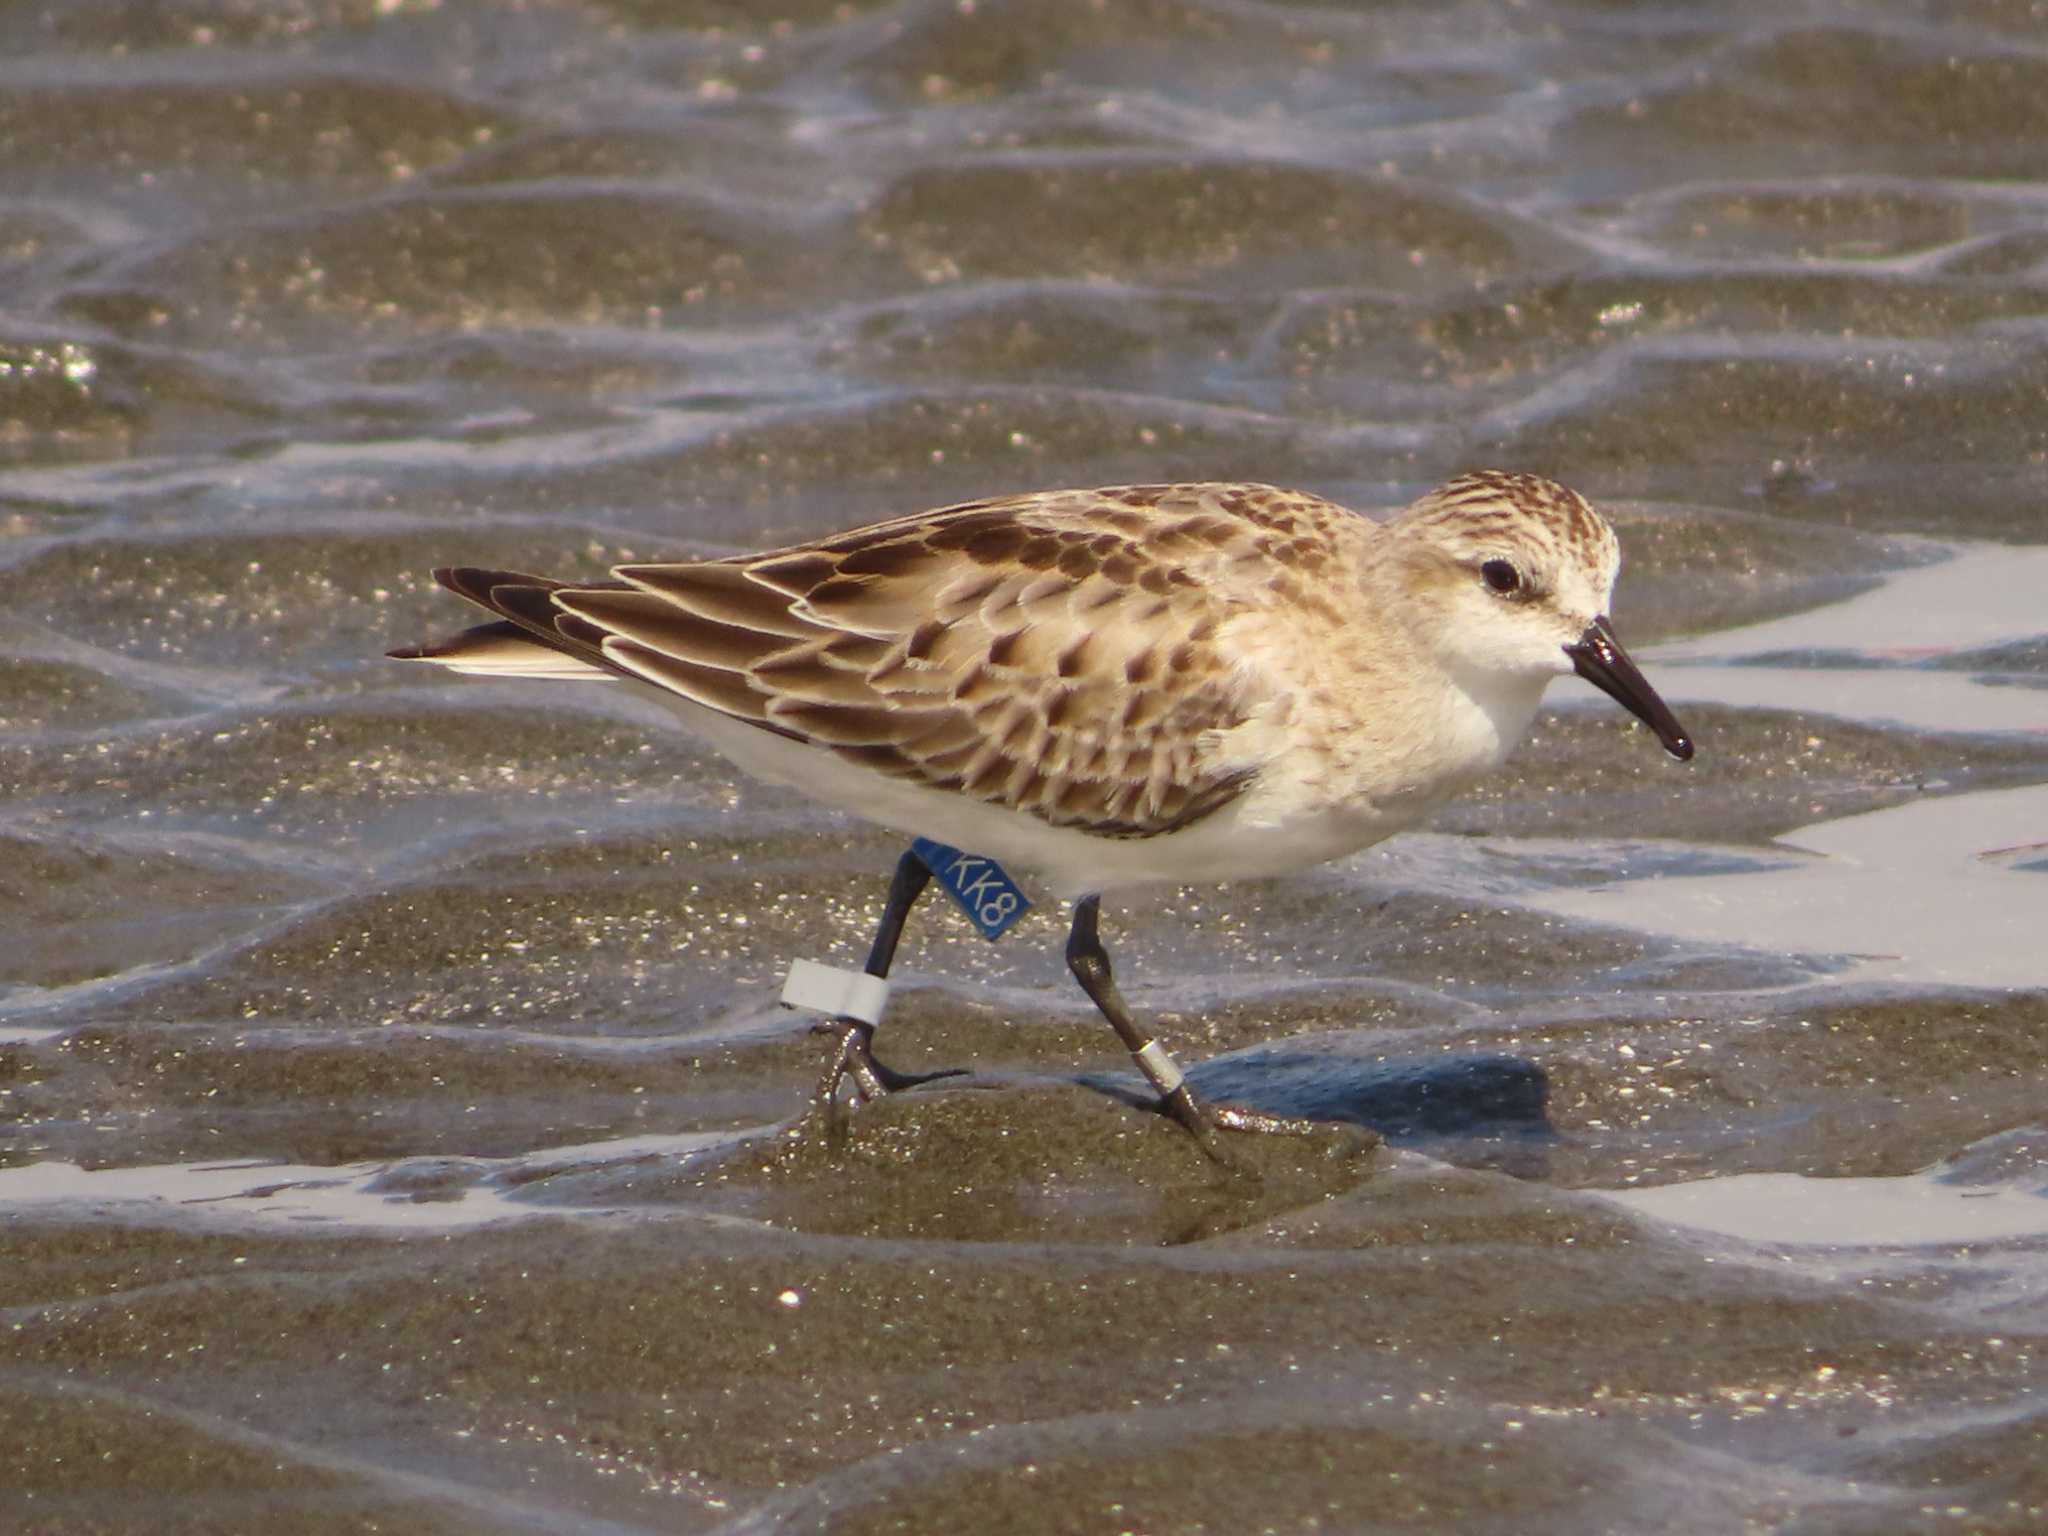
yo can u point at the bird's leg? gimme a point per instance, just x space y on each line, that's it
1089 962
855 1056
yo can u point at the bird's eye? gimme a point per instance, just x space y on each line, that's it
1501 576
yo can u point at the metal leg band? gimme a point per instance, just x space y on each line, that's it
1153 1061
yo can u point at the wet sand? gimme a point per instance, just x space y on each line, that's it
398 1130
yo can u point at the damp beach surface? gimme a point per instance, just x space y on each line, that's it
397 1126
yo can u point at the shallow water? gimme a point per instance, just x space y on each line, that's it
397 1127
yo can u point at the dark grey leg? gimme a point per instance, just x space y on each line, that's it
855 1056
1089 962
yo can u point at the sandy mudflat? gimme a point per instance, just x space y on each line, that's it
397 1128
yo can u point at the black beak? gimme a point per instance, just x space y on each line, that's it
1601 661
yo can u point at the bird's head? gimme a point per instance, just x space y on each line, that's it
1519 574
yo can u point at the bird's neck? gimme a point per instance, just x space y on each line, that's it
1490 712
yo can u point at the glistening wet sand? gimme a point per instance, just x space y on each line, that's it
397 1129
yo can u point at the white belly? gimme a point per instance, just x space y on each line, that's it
1267 831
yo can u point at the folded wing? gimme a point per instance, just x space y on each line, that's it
1056 655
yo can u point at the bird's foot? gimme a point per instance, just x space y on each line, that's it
853 1064
1207 1122
1256 1122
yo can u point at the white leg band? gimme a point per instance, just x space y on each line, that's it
1156 1064
838 994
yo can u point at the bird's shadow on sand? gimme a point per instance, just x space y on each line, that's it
1481 1110
1437 1096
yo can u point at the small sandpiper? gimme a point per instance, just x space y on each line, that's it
1108 689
